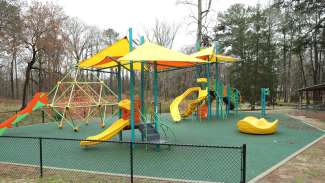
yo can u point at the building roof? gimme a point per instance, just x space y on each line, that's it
313 87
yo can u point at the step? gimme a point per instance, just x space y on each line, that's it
153 138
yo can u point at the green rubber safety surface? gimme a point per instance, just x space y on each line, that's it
177 162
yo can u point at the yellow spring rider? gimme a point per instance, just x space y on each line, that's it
253 125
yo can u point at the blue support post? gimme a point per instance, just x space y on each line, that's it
155 94
142 85
131 89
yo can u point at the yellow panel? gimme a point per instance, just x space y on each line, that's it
150 52
114 51
209 54
125 64
202 80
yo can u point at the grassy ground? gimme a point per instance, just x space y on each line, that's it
27 174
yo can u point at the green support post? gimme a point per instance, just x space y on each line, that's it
220 99
236 101
155 94
208 87
119 85
131 89
264 92
228 99
142 85
217 80
119 88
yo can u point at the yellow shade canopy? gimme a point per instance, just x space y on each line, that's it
209 54
106 57
164 57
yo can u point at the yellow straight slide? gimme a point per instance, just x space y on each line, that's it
107 134
174 107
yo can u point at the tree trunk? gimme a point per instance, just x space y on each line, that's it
12 82
302 70
199 22
16 77
27 76
40 84
315 67
285 95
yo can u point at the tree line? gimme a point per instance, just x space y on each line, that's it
281 46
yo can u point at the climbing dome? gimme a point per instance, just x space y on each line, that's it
75 100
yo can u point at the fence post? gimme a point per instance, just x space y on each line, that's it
16 111
40 157
43 117
243 165
131 161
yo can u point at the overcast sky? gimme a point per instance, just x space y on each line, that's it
139 14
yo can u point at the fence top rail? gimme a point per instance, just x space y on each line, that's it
1 112
126 142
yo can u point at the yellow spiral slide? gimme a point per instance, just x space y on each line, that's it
174 106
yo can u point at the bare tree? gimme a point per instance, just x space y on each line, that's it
162 33
10 35
77 35
110 36
39 19
201 17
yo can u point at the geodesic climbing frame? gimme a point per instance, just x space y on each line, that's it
74 100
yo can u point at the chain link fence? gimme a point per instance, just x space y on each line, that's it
63 160
38 116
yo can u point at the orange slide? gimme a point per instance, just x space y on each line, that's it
39 100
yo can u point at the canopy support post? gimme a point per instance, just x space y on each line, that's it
155 94
217 80
208 88
119 97
142 85
131 89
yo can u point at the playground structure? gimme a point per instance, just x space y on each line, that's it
227 96
222 94
75 101
252 125
147 57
